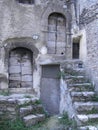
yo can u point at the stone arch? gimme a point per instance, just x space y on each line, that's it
13 43
56 35
52 9
20 68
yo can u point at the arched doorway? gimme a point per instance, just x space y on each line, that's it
56 34
20 68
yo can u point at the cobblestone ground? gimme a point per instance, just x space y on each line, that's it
51 124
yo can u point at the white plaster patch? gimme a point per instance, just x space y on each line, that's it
43 50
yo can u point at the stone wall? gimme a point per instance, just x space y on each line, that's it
26 25
86 4
10 105
92 50
88 15
89 22
21 23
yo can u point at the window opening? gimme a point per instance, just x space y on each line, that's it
26 1
76 47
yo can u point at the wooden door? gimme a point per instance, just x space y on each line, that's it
56 34
20 68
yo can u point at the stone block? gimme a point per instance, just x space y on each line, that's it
51 50
3 85
61 50
33 119
25 111
61 44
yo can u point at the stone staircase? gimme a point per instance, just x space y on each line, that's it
84 98
26 107
31 113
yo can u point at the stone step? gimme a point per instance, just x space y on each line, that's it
32 109
88 128
75 79
25 111
27 100
88 118
31 120
74 71
85 107
81 87
82 96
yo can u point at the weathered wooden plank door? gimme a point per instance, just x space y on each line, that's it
50 88
20 68
56 34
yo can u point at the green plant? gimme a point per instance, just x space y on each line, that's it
95 98
5 93
92 122
61 74
37 102
69 123
17 124
27 96
93 111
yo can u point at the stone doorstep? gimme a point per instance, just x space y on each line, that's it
33 119
85 118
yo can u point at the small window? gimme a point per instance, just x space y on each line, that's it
76 47
26 1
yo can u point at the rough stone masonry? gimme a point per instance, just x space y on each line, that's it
39 35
